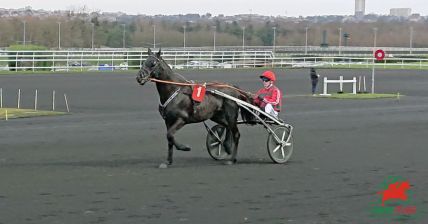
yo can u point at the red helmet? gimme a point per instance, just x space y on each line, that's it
269 74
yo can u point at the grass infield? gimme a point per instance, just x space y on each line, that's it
13 113
361 96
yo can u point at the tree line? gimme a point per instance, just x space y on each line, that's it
143 31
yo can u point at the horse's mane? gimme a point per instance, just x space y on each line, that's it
167 68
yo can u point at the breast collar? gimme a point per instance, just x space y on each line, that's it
164 105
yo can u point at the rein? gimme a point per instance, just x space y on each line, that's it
190 83
212 84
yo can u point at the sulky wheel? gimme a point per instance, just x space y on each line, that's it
280 151
215 143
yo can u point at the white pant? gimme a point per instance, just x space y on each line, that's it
269 109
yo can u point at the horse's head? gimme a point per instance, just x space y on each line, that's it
151 67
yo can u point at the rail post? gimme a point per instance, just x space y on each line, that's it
68 62
66 103
354 86
16 62
33 61
19 98
35 100
325 86
53 100
364 82
81 62
359 83
53 62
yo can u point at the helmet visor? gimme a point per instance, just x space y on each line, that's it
264 79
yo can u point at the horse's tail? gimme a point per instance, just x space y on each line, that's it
246 115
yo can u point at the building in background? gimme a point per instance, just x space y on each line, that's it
360 8
401 12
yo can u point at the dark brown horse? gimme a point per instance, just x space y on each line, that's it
178 108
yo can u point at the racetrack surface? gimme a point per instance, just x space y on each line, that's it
99 164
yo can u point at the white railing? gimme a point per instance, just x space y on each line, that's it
341 81
310 49
123 60
112 60
351 62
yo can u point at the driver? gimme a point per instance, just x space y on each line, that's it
269 97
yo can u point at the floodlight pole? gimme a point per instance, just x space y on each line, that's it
306 41
59 35
411 39
123 36
154 36
23 39
340 40
274 39
92 36
184 37
373 62
243 38
215 29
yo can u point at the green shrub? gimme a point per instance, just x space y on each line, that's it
28 47
14 56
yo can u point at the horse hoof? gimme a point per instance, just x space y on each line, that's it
163 166
185 148
229 162
227 150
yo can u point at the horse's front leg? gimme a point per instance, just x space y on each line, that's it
172 128
179 123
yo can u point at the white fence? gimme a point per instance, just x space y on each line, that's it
311 50
341 81
36 99
115 60
111 60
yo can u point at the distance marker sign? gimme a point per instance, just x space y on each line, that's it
379 55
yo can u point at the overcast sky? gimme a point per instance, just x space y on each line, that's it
226 7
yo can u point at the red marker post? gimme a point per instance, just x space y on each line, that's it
379 55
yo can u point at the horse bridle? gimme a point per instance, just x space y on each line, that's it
146 73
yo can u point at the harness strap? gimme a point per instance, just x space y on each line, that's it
170 98
191 83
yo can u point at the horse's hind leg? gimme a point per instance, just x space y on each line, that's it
236 136
228 144
233 144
